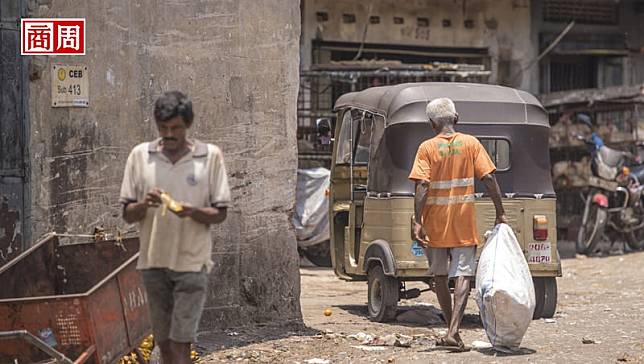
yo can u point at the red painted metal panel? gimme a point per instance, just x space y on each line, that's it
135 305
41 292
108 320
63 323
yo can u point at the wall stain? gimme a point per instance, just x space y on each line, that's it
70 188
10 235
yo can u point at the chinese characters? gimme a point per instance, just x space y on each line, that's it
53 36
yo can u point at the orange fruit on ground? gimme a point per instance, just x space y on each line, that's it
327 312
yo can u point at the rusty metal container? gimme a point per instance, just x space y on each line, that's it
84 300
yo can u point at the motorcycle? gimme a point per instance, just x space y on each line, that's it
613 203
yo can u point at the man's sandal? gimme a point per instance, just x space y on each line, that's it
459 348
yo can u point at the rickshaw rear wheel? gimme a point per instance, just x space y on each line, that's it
383 292
545 292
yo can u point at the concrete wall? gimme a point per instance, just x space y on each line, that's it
238 61
501 26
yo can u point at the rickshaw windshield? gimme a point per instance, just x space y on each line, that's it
350 123
356 132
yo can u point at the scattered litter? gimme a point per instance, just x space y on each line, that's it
387 340
398 340
608 309
364 338
233 333
369 348
624 357
587 340
479 345
402 341
317 361
418 339
550 321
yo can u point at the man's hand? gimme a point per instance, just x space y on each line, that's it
418 234
501 219
135 211
187 211
204 215
494 191
153 197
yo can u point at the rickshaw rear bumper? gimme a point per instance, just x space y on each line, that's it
547 270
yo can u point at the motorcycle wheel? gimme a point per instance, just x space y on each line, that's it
635 239
591 232
319 254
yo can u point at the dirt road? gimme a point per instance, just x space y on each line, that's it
601 303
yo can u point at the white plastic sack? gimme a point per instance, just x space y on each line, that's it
505 292
311 219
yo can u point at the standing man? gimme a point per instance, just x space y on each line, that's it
445 224
176 246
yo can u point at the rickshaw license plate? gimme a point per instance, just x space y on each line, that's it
539 253
416 249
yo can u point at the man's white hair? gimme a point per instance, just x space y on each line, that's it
442 111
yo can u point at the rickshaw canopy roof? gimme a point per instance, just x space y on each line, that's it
475 103
485 111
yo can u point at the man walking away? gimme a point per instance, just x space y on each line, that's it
176 246
444 220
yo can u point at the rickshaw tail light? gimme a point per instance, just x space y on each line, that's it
540 227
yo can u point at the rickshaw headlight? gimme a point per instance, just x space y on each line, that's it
540 227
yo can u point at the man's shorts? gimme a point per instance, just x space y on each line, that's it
462 261
176 301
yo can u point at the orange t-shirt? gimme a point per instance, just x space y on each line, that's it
450 164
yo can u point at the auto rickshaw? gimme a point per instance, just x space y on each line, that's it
377 134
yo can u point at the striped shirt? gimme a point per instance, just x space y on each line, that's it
450 164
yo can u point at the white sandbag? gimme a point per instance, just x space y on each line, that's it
505 292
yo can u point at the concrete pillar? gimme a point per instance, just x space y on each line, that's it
238 61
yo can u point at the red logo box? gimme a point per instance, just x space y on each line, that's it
52 36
